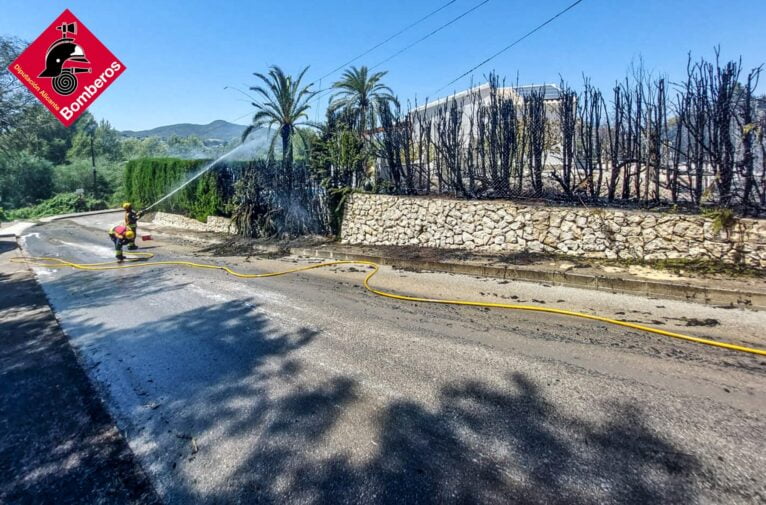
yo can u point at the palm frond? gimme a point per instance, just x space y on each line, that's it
246 133
361 95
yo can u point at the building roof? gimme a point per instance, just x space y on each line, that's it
550 91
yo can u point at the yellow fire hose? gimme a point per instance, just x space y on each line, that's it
138 261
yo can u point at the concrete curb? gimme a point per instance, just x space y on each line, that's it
650 288
15 230
78 214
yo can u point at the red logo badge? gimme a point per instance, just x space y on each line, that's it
67 68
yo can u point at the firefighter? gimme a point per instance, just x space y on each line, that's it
131 222
121 235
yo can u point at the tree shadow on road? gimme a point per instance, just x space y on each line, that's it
57 442
78 289
244 397
7 245
481 445
211 368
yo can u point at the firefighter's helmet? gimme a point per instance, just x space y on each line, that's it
59 53
130 234
127 206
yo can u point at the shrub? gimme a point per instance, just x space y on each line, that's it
24 179
79 174
723 219
149 179
64 203
259 199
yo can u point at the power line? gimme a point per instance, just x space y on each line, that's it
250 98
538 27
248 113
368 51
324 92
434 32
320 93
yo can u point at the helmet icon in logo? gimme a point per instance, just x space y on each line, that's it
62 51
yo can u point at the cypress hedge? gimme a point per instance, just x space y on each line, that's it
149 179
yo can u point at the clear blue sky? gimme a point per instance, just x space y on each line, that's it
180 54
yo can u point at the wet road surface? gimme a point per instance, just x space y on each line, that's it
308 389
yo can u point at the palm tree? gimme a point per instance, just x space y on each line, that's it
283 107
361 96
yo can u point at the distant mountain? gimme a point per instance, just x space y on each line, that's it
219 129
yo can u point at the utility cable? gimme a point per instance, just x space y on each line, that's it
430 34
509 46
330 89
368 51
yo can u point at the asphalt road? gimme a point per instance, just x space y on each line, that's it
307 389
58 443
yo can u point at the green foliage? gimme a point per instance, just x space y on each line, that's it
283 107
148 180
190 147
187 147
39 133
79 174
347 153
339 156
25 179
149 147
64 203
723 219
105 139
337 202
40 157
303 144
14 97
362 96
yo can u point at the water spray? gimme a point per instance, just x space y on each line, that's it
248 147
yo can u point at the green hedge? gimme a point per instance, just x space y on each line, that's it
147 180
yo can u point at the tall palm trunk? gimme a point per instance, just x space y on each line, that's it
287 159
359 169
362 118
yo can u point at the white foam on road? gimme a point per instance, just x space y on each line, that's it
23 239
209 294
98 250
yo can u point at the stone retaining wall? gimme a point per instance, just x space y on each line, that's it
214 223
502 226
